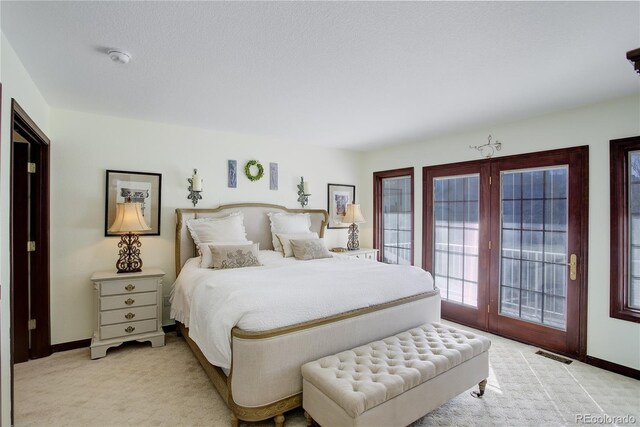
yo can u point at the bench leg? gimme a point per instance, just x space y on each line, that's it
279 420
308 419
235 422
481 386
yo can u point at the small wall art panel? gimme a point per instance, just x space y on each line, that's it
232 177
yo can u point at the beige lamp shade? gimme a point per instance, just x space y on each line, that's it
353 214
129 219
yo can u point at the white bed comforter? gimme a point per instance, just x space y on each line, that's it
282 292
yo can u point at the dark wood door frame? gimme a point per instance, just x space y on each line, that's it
580 202
578 219
39 259
474 317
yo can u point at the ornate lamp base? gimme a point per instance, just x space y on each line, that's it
129 261
353 244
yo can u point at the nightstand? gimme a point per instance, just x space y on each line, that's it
128 307
363 253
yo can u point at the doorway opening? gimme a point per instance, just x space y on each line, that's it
29 240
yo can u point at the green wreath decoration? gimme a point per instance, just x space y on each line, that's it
247 170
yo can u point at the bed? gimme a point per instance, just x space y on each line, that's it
262 378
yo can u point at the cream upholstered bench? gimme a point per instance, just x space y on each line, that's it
395 381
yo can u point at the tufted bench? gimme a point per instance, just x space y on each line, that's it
395 381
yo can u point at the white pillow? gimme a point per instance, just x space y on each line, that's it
288 223
284 240
226 229
206 257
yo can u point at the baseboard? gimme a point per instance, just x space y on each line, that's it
614 367
71 345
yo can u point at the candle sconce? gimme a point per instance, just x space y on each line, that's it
195 188
488 150
303 192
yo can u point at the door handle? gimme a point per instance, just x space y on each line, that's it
573 267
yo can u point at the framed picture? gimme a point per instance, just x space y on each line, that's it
339 196
143 188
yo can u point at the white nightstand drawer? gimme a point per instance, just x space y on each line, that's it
131 328
126 286
124 301
127 307
128 314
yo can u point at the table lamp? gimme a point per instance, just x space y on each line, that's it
353 216
129 221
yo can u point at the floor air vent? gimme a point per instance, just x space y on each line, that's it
554 357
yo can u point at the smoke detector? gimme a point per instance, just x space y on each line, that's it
119 56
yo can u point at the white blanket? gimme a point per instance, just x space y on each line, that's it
284 291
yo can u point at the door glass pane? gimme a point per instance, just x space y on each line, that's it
456 238
534 249
634 229
396 220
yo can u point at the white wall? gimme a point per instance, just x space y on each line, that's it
16 83
86 145
609 339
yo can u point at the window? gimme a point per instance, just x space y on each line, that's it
456 234
534 255
393 215
624 156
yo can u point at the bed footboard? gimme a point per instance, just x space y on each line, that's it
266 366
265 379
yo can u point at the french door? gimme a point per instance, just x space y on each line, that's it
506 242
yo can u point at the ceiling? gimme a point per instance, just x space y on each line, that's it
341 74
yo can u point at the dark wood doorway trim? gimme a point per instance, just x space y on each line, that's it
39 302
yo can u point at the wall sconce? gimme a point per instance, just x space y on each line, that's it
488 150
195 188
303 192
634 57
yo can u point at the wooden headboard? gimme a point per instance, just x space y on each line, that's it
256 223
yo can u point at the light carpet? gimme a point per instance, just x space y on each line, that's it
137 385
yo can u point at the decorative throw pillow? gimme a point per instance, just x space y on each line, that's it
225 229
288 223
235 256
206 260
309 249
284 240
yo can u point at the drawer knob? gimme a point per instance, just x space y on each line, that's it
129 301
129 316
130 287
130 329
